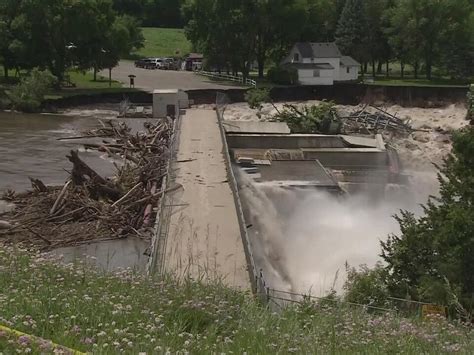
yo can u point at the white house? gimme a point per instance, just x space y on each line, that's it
321 64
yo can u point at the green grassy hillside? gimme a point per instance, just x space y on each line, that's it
93 312
163 42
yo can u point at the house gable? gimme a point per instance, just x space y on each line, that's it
321 63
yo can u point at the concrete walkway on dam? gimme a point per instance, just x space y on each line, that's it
204 238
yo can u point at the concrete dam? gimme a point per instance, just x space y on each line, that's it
285 184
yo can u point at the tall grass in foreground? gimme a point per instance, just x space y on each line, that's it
89 311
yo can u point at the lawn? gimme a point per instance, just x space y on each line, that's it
85 80
163 42
439 78
90 311
85 85
438 82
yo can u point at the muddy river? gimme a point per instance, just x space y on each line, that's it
29 146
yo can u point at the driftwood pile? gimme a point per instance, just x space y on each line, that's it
376 120
88 206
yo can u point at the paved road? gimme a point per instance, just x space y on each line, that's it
204 238
162 79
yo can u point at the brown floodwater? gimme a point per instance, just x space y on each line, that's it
29 147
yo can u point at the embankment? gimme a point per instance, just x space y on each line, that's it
343 94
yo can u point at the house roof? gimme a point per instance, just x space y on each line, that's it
318 50
310 65
349 61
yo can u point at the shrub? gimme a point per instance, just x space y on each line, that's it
256 97
470 104
320 118
367 286
283 76
29 93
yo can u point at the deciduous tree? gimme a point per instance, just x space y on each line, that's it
352 29
439 245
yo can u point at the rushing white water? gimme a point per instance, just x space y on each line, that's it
302 238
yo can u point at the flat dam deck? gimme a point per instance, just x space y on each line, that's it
204 239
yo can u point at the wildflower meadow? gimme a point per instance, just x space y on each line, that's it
49 307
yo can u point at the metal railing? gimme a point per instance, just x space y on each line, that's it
234 78
256 277
163 216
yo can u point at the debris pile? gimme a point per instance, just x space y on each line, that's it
374 121
89 207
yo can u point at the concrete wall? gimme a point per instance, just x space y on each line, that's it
162 99
295 141
349 158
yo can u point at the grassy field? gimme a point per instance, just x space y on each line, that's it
89 311
163 42
85 80
438 82
85 85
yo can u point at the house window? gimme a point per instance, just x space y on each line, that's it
316 73
347 70
296 57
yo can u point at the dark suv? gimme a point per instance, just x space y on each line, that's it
142 63
170 64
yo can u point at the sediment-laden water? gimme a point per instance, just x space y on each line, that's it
29 146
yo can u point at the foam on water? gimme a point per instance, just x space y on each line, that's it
302 238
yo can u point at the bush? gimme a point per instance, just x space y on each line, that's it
367 286
283 76
256 97
470 104
29 93
320 118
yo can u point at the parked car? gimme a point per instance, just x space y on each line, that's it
155 63
170 64
142 63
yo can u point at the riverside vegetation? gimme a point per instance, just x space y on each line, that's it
90 311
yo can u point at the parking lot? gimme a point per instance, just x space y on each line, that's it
149 80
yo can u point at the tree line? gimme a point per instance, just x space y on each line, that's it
58 34
421 33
